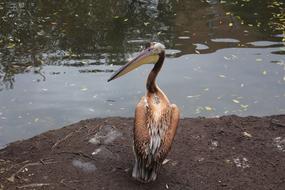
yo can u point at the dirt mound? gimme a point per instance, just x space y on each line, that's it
219 153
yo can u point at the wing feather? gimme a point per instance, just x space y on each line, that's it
141 133
169 134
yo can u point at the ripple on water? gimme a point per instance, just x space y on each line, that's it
172 52
201 46
183 37
264 43
137 41
225 40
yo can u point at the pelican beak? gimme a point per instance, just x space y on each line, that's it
145 57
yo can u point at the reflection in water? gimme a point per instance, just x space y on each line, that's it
224 57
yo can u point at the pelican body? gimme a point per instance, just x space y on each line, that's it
156 119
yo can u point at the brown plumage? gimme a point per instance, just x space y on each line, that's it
156 119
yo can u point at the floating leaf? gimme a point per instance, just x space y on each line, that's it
84 89
235 101
208 108
125 20
194 96
146 23
206 89
183 37
244 106
11 45
264 72
230 24
91 109
116 16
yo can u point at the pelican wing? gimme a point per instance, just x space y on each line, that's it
141 133
169 134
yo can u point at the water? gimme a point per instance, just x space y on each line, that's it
223 57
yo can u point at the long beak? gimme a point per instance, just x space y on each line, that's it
145 57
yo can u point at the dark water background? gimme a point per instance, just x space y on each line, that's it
223 57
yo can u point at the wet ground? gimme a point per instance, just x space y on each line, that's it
230 152
223 57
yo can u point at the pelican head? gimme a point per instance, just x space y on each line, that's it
150 55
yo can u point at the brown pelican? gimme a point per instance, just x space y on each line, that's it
156 119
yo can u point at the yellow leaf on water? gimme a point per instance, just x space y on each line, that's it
84 89
235 101
146 23
208 108
230 24
244 106
125 20
11 45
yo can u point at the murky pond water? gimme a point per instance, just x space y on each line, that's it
223 57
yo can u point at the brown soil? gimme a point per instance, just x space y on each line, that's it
220 153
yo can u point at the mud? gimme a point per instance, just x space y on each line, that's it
230 152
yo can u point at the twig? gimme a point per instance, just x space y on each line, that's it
77 153
61 140
34 185
66 137
277 123
66 185
12 177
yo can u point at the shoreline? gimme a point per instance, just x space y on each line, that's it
229 152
